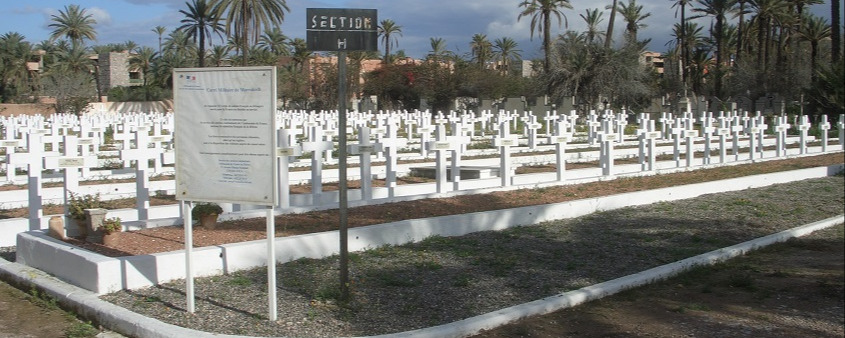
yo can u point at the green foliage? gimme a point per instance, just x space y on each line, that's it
590 72
828 92
112 225
81 329
205 208
77 205
138 94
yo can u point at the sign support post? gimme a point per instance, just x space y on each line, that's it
226 131
342 30
342 186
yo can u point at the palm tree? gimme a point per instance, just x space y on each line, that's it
835 37
73 23
248 18
505 50
741 11
387 29
219 55
199 22
143 61
129 45
593 18
275 42
178 45
74 59
438 49
609 34
481 49
814 31
541 12
300 53
718 9
159 30
632 13
357 58
766 12
682 7
14 74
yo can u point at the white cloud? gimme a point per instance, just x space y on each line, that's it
100 15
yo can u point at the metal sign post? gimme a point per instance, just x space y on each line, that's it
341 30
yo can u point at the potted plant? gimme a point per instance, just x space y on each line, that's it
76 206
111 228
206 213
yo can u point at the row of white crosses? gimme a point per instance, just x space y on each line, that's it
390 143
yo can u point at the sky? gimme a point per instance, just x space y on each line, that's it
456 21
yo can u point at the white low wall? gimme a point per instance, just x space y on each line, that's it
102 274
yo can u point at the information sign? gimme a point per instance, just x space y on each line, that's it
225 134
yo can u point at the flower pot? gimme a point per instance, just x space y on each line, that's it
77 228
111 239
208 221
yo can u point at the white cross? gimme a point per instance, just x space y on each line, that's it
70 162
803 128
392 143
284 151
504 141
364 148
10 145
824 126
648 138
781 128
841 125
532 126
561 137
33 159
690 135
607 138
317 146
442 144
141 155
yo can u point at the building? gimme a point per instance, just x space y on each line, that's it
654 59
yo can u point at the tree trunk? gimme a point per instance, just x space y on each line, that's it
608 38
547 38
835 37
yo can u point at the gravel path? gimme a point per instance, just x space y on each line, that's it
440 280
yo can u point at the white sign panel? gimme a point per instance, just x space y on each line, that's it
225 134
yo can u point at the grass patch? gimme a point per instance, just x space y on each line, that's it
81 329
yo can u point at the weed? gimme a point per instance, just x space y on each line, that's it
741 280
461 281
396 280
741 202
354 257
81 329
428 265
43 300
327 292
239 280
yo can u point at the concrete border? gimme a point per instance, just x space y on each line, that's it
89 305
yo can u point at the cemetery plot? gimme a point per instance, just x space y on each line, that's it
169 238
452 277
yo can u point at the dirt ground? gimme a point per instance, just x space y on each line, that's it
25 316
793 289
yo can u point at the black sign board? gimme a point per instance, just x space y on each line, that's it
341 29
